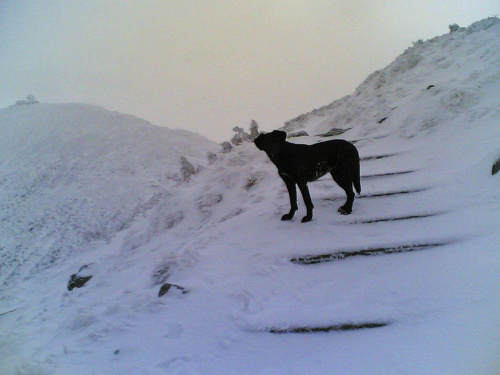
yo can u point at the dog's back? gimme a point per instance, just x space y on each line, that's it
311 162
342 156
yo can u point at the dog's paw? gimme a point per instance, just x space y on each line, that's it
287 217
344 211
307 218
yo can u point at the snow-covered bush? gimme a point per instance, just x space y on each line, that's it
226 147
187 169
240 136
212 158
254 130
30 99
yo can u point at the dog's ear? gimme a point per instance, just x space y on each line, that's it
259 141
281 135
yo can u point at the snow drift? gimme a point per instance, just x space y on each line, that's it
406 284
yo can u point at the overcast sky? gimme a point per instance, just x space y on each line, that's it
207 66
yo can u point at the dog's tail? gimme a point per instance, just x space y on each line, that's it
357 177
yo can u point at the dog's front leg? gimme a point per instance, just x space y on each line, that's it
292 192
307 200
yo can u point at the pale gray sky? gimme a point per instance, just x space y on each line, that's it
207 66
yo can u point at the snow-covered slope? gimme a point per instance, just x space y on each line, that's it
71 174
448 79
416 265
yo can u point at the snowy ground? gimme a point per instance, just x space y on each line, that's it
73 174
426 180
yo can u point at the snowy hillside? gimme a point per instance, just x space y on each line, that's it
71 174
447 79
406 284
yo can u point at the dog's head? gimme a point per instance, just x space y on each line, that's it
271 142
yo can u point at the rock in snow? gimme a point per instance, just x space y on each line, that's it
496 167
79 279
166 287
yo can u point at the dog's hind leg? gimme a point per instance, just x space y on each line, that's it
307 200
292 192
345 183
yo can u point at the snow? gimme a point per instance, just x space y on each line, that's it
72 174
220 237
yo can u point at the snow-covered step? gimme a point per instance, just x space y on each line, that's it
369 176
388 174
377 157
395 192
397 218
383 250
329 328
383 193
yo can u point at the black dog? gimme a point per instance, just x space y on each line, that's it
299 164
